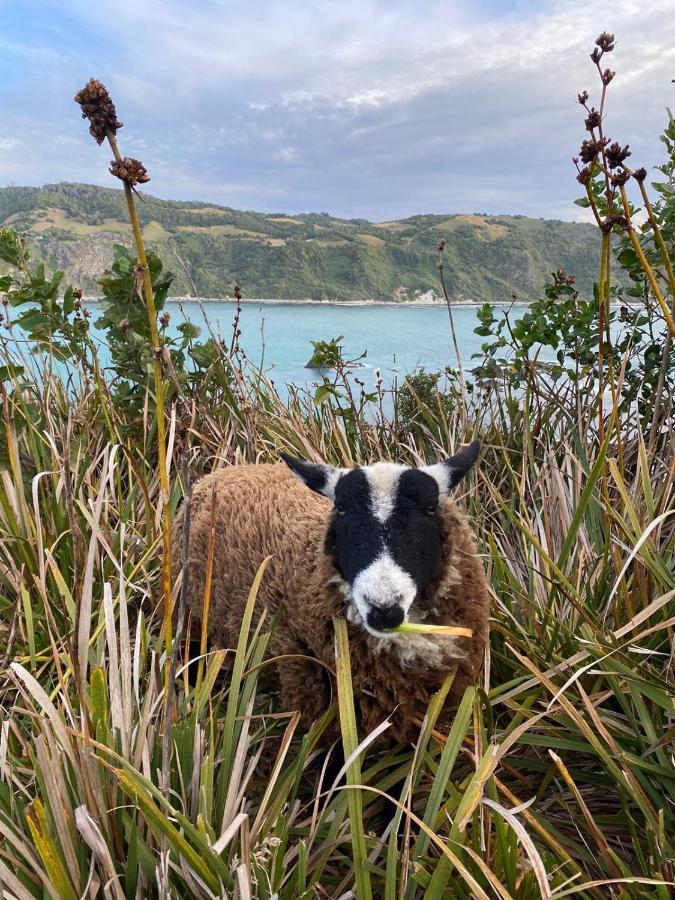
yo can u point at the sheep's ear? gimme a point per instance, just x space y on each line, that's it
451 471
319 478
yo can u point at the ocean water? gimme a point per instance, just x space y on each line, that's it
277 336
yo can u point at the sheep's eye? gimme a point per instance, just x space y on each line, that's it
340 509
431 510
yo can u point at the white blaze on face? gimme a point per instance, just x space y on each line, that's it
383 484
383 583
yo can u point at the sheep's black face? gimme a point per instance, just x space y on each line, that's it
385 533
385 540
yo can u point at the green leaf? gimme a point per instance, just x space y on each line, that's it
10 372
350 742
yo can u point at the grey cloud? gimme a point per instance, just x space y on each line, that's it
359 108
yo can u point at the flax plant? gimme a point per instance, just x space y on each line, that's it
97 106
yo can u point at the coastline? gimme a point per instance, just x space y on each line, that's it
267 301
387 304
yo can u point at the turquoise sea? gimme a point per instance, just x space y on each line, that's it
278 336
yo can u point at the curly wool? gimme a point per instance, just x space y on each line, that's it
263 510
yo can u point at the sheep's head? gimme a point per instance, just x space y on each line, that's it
385 534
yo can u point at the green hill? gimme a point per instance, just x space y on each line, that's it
315 256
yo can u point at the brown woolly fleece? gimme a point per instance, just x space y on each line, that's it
264 510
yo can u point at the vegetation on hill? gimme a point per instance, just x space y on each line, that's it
318 257
122 777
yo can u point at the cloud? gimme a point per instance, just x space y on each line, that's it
359 108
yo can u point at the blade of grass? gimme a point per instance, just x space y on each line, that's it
350 742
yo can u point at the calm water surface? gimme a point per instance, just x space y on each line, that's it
397 338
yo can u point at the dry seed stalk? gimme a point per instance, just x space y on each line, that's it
96 105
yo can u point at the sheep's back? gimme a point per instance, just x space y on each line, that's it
260 511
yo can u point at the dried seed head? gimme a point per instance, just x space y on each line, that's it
611 221
619 178
590 149
440 246
130 170
640 174
582 97
596 55
124 325
584 176
77 293
618 219
616 154
607 76
237 292
593 120
164 319
605 42
97 106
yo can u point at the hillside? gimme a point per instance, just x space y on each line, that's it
308 256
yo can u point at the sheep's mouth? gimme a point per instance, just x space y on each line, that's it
388 634
357 614
354 615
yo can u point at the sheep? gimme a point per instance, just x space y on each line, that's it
393 548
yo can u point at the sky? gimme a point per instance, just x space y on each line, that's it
375 109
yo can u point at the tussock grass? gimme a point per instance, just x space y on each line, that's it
556 778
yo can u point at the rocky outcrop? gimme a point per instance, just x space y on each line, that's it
83 260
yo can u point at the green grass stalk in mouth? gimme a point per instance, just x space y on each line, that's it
421 628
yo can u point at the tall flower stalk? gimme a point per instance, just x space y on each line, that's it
604 175
97 106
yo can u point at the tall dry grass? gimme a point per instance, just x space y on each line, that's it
556 778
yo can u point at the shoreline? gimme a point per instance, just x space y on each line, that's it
387 304
264 301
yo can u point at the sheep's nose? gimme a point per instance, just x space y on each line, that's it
380 618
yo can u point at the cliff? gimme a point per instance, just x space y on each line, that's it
306 256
